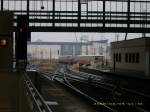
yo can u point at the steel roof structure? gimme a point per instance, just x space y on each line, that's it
132 16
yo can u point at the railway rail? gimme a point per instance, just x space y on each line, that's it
38 104
101 92
131 85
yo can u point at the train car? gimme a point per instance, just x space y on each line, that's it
67 59
89 59
131 57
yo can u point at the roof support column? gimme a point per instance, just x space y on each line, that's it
128 19
1 5
79 13
128 14
28 8
53 22
104 13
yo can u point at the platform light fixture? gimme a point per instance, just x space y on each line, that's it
3 42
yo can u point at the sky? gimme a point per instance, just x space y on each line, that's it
76 37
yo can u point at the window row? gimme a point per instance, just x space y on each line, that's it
117 57
132 57
129 57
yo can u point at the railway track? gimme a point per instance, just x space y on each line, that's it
123 84
139 85
107 92
103 94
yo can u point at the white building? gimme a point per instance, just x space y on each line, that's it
53 50
38 51
98 48
131 57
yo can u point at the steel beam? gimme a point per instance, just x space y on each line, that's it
104 13
53 13
79 13
88 29
1 5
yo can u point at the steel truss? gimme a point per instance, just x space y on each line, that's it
131 16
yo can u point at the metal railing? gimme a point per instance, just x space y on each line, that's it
37 102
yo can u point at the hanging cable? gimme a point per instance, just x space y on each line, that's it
60 11
116 13
21 7
34 12
47 13
37 13
126 34
146 15
91 13
110 13
72 13
140 15
122 12
42 5
97 13
66 13
42 8
134 13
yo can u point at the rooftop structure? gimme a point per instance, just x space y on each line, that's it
81 15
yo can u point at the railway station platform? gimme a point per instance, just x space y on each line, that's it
12 95
27 92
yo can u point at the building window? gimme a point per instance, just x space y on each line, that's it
119 55
129 57
96 58
133 58
126 57
137 57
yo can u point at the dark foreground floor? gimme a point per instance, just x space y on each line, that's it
67 102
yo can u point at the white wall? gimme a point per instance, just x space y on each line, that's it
44 51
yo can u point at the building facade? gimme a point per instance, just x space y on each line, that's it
53 50
98 48
71 48
131 57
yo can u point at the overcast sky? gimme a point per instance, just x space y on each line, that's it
69 37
